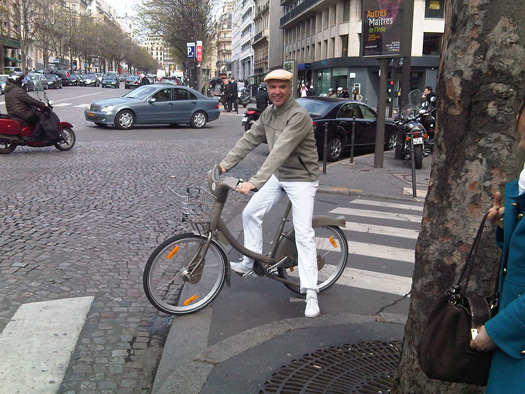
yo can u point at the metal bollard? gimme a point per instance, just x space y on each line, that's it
412 160
352 142
325 147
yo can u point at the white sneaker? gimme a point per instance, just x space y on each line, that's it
240 267
312 307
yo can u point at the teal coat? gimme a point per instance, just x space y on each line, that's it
507 328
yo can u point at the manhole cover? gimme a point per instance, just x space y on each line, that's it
352 368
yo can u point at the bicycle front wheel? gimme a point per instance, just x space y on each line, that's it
332 255
174 280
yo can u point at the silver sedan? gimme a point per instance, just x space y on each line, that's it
155 104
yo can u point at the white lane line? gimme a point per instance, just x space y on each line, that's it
381 252
387 205
77 97
370 250
376 281
382 230
82 106
37 343
62 104
378 215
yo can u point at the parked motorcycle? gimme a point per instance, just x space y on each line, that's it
250 116
13 134
245 97
412 133
427 117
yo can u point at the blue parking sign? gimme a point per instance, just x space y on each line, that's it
190 49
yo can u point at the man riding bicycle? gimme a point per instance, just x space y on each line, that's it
291 168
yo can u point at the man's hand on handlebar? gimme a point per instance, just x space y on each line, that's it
246 187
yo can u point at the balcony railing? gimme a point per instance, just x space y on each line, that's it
298 11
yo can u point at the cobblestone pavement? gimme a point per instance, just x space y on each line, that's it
83 223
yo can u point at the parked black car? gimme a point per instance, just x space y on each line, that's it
53 81
339 113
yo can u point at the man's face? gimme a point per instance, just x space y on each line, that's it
426 92
279 91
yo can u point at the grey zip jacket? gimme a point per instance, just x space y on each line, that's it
290 136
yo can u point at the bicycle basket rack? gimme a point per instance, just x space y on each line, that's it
194 204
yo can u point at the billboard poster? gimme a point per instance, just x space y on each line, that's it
199 51
382 28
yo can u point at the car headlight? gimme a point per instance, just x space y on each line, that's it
107 108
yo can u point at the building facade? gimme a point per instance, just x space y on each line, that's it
224 40
323 38
242 35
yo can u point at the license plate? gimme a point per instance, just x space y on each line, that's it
245 119
91 114
418 141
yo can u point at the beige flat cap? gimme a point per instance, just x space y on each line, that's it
282 75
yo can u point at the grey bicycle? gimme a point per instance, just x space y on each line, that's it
187 272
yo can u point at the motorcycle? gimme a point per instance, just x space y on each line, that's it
13 134
250 116
412 134
427 117
245 97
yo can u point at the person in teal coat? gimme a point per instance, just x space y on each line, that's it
505 333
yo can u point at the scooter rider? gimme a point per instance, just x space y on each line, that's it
19 104
261 97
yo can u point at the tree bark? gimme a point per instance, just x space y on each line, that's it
480 88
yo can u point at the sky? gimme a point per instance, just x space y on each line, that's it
124 5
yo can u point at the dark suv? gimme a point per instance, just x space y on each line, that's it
63 74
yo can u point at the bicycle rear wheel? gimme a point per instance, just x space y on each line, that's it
332 255
168 282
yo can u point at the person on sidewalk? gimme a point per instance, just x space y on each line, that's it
227 96
291 168
234 105
504 332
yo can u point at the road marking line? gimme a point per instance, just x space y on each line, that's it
382 230
387 205
381 252
37 343
376 281
376 214
82 106
62 104
419 192
77 97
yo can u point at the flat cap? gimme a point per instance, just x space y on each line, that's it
282 75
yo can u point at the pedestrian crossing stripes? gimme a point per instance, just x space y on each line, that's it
377 214
37 343
368 242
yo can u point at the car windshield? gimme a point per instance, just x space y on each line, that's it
141 93
132 78
3 77
89 76
315 108
33 77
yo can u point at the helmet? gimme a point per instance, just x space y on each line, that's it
262 85
339 89
330 90
16 79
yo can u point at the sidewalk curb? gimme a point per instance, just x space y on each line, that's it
349 192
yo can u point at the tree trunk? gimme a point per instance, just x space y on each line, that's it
480 89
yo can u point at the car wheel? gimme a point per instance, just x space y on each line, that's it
392 142
198 120
335 149
124 120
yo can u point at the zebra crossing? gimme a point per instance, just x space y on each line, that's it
382 238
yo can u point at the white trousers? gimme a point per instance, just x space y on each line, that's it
302 195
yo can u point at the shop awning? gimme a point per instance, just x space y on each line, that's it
11 43
12 59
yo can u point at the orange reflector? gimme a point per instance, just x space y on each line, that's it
291 269
190 300
332 240
173 252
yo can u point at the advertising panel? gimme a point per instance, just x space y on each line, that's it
199 51
382 28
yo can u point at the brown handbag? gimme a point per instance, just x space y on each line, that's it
444 348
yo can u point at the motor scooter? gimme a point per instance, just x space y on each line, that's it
250 116
245 97
13 134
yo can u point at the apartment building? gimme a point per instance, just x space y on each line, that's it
323 37
157 48
224 39
242 35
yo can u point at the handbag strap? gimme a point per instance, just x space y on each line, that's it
467 268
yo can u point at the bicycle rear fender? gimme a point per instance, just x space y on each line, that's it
323 220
